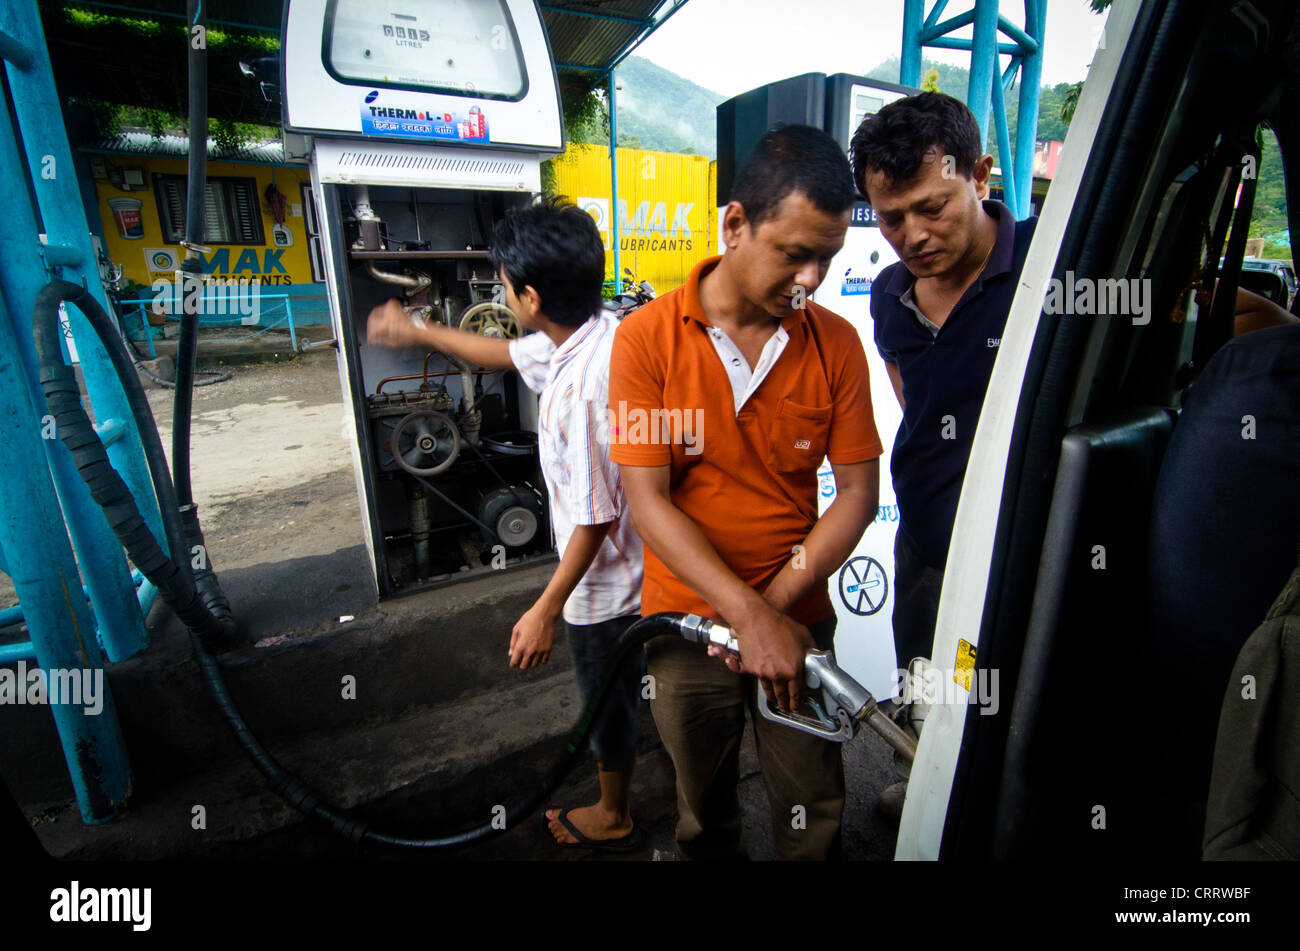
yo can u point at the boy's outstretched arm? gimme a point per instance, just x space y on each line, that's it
534 634
389 325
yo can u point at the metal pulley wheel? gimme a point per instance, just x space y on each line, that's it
511 514
425 443
516 526
491 319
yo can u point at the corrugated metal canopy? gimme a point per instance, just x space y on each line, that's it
178 146
118 51
596 34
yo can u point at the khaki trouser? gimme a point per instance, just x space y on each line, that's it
699 709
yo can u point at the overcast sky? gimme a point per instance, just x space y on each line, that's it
730 46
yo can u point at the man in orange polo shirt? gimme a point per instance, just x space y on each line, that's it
725 395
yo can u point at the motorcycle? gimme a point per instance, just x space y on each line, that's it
626 301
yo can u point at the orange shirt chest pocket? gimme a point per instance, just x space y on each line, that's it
799 435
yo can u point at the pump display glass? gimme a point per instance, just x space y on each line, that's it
458 47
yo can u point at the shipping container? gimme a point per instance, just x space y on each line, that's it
664 207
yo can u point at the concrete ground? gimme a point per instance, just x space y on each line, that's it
440 730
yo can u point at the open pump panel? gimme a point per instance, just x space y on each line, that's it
424 122
453 479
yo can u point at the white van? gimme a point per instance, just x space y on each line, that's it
1132 501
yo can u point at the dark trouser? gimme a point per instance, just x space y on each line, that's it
916 602
916 608
699 707
616 730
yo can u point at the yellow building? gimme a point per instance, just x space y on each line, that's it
260 226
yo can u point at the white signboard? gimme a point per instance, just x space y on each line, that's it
444 72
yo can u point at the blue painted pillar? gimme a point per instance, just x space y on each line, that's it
613 180
35 519
983 65
44 574
120 627
1010 174
1031 77
99 553
909 69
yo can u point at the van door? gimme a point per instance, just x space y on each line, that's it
1063 736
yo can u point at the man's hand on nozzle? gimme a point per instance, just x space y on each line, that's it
772 647
389 325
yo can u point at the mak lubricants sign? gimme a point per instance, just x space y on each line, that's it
647 228
662 210
227 265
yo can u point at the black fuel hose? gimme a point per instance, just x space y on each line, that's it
195 217
176 585
357 830
203 610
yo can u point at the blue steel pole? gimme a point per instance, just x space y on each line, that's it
1031 77
936 11
931 30
12 653
909 67
288 311
53 173
1010 175
99 553
614 229
983 65
957 43
44 574
145 590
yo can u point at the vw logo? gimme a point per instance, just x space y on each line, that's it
864 587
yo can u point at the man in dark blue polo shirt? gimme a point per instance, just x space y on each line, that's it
938 315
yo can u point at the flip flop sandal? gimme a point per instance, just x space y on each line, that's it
627 843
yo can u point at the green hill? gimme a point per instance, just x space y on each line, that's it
953 80
657 109
690 125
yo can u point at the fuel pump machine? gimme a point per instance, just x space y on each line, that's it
861 589
423 123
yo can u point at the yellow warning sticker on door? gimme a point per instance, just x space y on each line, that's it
964 665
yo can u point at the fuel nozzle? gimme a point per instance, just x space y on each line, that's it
836 705
700 630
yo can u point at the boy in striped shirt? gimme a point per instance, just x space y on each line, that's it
551 260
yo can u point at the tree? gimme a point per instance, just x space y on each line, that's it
586 120
1071 100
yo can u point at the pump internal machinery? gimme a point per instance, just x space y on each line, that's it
455 480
